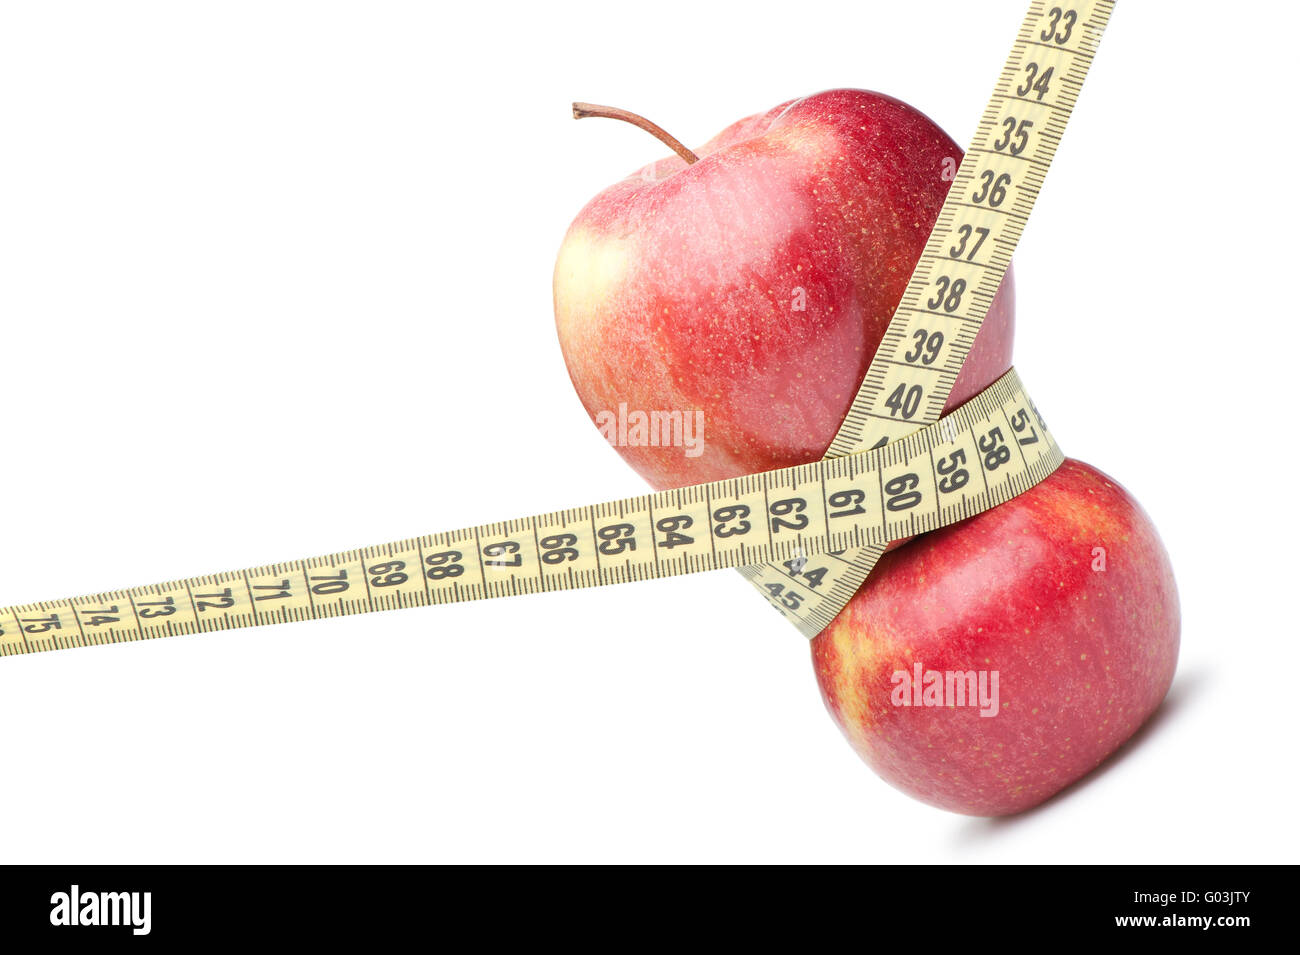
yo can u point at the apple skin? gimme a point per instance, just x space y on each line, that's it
1084 655
678 288
673 291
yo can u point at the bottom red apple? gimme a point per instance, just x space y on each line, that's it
987 665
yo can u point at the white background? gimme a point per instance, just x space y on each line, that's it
275 281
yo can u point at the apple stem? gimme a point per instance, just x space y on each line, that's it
583 110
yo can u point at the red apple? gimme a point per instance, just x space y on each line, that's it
676 290
1065 593
755 284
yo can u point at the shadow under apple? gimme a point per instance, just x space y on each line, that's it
1186 687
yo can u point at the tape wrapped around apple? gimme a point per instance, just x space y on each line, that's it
732 299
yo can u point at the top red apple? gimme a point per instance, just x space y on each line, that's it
748 291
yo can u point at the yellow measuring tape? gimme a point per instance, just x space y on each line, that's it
894 470
989 450
951 288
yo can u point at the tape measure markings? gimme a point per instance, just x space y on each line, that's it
856 501
992 195
1010 176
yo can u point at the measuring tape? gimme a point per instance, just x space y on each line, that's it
894 470
989 450
965 259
